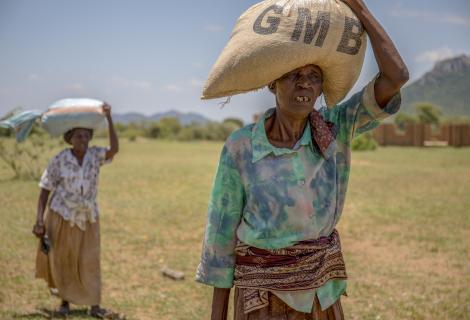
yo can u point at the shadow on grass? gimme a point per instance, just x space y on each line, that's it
51 314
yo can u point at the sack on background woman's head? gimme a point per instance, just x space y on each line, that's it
59 118
67 114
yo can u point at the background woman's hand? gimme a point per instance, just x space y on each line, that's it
39 230
107 110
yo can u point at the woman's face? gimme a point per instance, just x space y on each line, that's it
80 139
297 91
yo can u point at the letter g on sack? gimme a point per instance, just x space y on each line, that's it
273 22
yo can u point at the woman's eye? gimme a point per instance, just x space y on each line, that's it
314 77
290 76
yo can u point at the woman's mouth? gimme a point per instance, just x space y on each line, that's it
302 99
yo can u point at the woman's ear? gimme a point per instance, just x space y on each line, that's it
272 87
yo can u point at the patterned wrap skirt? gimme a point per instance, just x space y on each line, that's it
278 310
72 266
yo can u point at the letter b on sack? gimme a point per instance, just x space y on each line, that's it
350 35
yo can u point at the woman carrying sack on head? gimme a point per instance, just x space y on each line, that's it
68 257
280 189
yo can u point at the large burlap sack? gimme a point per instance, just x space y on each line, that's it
67 114
274 37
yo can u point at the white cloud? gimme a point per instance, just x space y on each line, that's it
78 87
171 87
457 20
119 81
197 83
5 91
122 82
33 77
184 86
213 28
198 65
436 55
144 85
400 11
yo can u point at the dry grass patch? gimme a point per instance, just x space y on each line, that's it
405 231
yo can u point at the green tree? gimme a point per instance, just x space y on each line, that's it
192 131
428 113
235 121
169 128
364 142
402 119
154 130
120 127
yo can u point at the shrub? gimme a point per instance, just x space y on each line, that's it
27 159
171 129
364 142
428 113
403 118
238 123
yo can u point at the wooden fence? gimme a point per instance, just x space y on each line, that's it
419 135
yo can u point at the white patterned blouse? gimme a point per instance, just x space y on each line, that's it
74 187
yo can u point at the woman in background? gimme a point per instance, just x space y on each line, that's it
69 255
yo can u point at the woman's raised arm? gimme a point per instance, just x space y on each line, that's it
393 71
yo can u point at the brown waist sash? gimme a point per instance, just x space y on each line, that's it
305 265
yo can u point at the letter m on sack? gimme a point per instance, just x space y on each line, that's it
321 26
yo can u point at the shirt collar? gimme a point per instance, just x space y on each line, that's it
71 158
261 145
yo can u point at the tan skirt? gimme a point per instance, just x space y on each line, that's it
278 310
72 265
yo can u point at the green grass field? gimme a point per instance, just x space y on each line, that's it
405 233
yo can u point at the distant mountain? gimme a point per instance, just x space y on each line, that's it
184 118
446 85
127 118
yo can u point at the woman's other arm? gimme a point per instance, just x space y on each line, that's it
39 229
224 214
220 300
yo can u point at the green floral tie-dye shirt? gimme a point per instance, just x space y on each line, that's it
271 197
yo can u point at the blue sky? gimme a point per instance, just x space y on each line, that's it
153 56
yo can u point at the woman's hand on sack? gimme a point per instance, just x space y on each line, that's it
393 73
354 4
107 110
39 230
